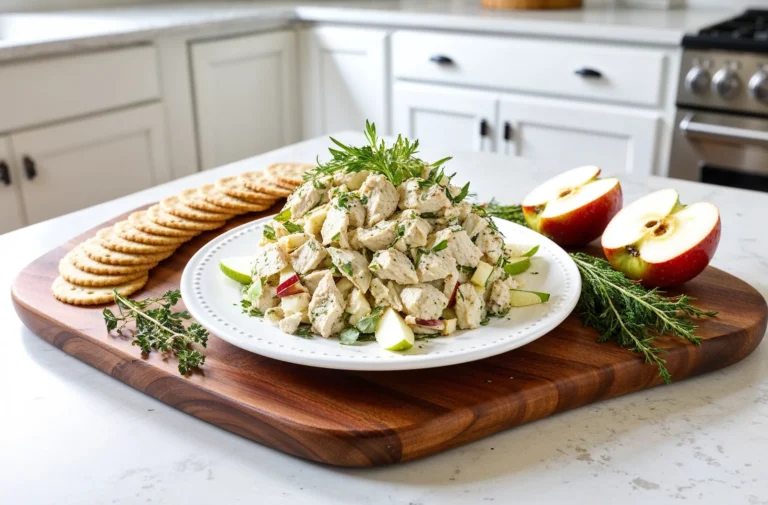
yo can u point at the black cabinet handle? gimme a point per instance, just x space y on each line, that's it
589 72
483 128
30 169
441 59
507 131
5 173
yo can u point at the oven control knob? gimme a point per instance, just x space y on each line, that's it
758 86
697 80
726 83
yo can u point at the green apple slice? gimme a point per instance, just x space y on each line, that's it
514 266
255 290
482 274
392 333
522 298
238 268
519 250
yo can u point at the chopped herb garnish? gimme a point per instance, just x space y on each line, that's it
292 227
342 201
485 321
349 336
369 322
304 331
347 268
284 216
429 215
269 233
399 233
440 246
336 237
249 309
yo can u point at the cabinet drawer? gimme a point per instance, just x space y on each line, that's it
627 75
44 91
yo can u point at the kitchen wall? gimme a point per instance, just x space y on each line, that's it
31 5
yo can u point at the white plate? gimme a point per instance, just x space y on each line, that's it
214 301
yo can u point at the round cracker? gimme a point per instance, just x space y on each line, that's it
288 174
172 205
94 250
141 221
163 218
70 273
235 188
88 264
82 295
258 181
211 194
112 241
193 198
127 231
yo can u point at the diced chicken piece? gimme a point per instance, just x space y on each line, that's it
469 307
430 199
423 301
311 280
306 197
379 237
499 302
269 260
352 180
344 286
314 219
353 266
459 246
415 229
290 323
491 244
274 315
436 266
393 265
464 209
308 257
267 299
335 227
356 210
474 224
386 295
291 242
280 231
295 304
382 198
326 307
357 307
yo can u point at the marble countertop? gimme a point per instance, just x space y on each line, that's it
73 435
34 34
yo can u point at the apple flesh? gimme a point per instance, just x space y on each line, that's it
289 287
660 242
575 207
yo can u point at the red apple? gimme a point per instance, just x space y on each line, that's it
660 242
575 207
289 286
452 301
431 323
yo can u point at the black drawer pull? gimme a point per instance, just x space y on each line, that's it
441 59
30 169
507 131
5 173
589 72
483 128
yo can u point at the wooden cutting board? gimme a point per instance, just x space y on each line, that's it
376 418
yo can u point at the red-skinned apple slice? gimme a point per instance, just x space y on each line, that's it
289 287
575 207
660 242
452 301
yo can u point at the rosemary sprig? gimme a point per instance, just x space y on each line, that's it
159 328
621 309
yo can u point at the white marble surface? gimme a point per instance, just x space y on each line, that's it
72 435
34 34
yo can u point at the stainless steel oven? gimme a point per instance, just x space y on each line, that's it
725 149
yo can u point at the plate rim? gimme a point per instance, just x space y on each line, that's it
222 331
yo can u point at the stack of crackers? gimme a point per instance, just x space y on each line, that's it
120 257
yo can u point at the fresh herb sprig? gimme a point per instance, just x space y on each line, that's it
159 328
621 309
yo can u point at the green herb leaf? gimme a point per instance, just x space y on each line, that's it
284 216
369 322
292 227
342 201
159 328
347 268
485 321
443 244
269 233
336 237
348 336
304 331
429 215
399 233
462 194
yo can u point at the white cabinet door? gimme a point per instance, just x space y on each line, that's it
246 96
566 135
451 118
72 165
11 214
345 79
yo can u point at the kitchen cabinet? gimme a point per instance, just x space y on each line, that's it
448 117
566 134
345 79
245 96
11 216
75 164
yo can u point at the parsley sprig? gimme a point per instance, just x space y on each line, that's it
159 328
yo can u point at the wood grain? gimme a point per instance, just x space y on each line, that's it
531 4
376 418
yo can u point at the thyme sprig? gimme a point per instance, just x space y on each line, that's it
159 328
621 309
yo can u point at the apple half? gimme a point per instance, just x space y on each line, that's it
575 207
660 242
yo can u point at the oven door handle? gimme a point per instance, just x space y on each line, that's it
692 128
